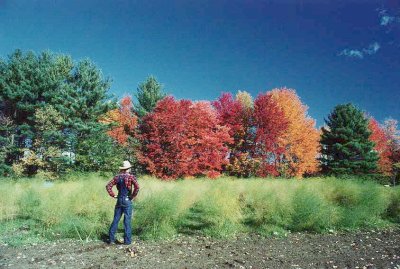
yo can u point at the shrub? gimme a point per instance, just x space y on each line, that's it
80 207
30 204
311 211
156 216
267 209
361 203
217 213
393 209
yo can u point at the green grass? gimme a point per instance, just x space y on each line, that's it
33 210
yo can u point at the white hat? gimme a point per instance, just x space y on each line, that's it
125 165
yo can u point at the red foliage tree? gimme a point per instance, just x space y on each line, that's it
270 123
230 114
124 121
233 114
393 135
381 141
183 139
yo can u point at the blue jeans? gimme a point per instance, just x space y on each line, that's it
123 206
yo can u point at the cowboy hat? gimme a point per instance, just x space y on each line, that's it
125 165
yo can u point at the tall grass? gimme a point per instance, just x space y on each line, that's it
80 208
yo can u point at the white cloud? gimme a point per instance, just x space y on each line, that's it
388 19
385 20
372 48
352 53
359 54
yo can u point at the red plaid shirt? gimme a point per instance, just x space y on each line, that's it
129 181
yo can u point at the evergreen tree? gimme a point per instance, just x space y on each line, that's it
32 82
98 152
345 144
148 94
6 144
48 140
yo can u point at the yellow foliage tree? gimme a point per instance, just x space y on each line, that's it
245 99
301 140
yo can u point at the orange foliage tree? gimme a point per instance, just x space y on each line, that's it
381 141
301 138
122 120
183 139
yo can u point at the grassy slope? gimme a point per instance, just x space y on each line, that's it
32 210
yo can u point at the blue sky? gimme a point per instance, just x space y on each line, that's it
330 51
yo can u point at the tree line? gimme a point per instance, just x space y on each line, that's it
56 116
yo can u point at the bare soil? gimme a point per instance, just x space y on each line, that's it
366 249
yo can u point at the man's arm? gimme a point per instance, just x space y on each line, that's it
109 187
135 187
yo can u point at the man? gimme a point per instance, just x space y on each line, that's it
128 189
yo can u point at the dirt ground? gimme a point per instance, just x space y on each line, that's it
372 249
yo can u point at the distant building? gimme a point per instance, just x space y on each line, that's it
69 155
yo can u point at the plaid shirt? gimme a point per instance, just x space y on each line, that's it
129 181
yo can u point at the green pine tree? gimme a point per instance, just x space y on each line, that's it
32 82
7 130
148 94
49 139
345 144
